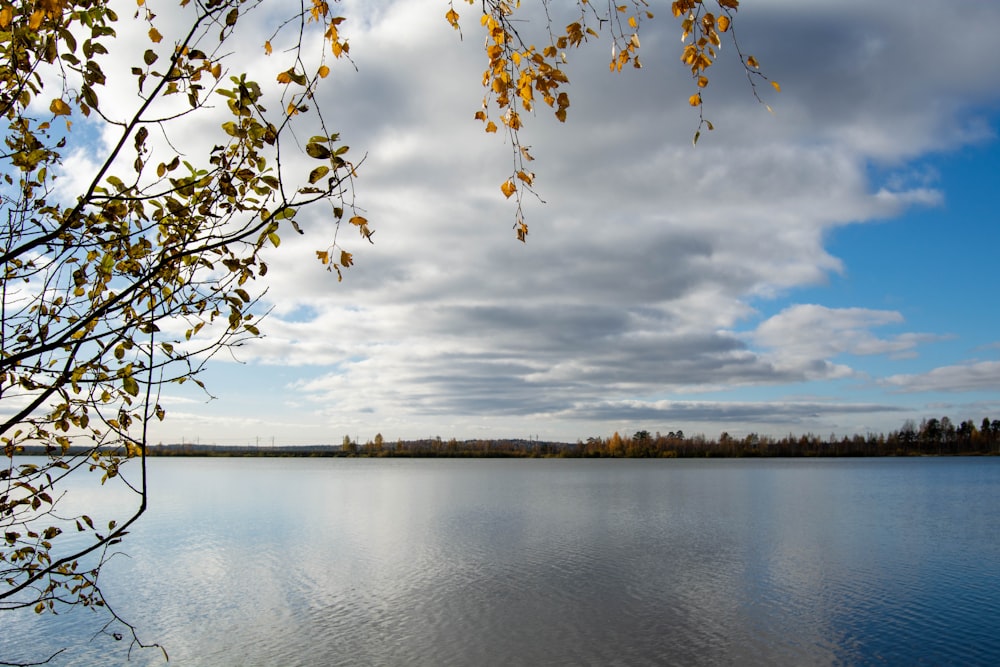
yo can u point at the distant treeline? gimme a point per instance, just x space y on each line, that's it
932 437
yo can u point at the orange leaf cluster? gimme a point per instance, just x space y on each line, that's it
519 73
337 45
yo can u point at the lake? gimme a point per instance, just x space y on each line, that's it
551 562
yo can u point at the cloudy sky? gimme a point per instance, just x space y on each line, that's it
828 267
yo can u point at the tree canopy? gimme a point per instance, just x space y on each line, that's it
120 280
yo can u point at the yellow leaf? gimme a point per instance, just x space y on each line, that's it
632 22
284 77
323 256
452 18
345 258
155 36
775 85
267 48
491 126
6 16
508 188
723 23
35 20
695 100
324 71
522 230
358 220
752 62
53 8
130 385
59 108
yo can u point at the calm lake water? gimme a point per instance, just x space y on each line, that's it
552 562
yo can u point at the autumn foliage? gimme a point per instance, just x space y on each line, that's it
520 72
131 273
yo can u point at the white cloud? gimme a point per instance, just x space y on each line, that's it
973 376
810 332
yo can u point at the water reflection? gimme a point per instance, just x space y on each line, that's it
495 562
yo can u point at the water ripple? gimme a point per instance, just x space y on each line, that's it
561 563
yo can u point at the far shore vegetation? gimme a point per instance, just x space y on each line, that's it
932 437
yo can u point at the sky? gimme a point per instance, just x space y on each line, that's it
827 267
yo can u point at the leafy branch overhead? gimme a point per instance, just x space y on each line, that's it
519 72
129 275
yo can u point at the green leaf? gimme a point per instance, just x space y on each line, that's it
318 151
318 173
